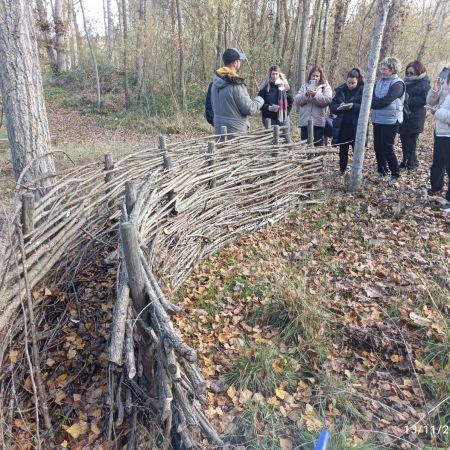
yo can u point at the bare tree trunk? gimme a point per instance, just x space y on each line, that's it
60 41
220 24
21 87
94 59
76 29
140 33
341 9
431 25
73 44
394 24
314 33
45 27
110 31
125 52
301 68
287 29
181 56
324 33
317 46
355 179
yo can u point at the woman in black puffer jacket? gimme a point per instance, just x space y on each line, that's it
345 105
417 87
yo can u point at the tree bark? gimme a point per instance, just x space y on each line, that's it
73 44
125 52
355 180
431 25
109 31
45 27
304 36
314 32
140 45
181 68
394 24
60 40
341 9
21 87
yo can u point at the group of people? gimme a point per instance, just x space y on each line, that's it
398 107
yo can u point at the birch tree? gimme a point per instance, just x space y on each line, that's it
355 180
21 87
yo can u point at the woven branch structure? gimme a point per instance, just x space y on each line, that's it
184 201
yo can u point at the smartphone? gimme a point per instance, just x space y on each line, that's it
444 73
312 84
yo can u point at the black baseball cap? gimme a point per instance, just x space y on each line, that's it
232 54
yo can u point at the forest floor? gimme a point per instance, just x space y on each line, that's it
336 318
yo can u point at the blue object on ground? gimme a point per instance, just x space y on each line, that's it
323 441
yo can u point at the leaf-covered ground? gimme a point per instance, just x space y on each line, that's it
336 318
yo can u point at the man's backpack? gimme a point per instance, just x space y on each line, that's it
407 113
209 112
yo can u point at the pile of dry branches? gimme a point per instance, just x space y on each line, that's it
191 199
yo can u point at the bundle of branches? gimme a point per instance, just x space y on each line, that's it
186 210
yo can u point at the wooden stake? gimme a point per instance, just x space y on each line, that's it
211 151
310 132
130 196
134 266
27 213
267 123
109 165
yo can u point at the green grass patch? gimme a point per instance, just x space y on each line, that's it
262 368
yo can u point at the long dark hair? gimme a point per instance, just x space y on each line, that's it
320 70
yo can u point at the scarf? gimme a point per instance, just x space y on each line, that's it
414 78
282 102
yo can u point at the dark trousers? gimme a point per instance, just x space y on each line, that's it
318 135
441 164
383 142
409 147
346 136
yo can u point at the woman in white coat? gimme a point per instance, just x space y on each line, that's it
442 141
312 101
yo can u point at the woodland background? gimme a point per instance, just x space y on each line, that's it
162 54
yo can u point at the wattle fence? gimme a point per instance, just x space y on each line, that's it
173 205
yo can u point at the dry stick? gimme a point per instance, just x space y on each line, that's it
130 360
35 348
119 319
119 401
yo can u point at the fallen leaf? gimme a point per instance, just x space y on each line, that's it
78 429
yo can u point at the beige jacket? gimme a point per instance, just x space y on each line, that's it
435 98
313 107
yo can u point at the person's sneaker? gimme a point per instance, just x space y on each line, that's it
444 203
338 173
402 165
393 179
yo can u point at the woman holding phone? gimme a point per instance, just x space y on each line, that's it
312 101
417 87
435 98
